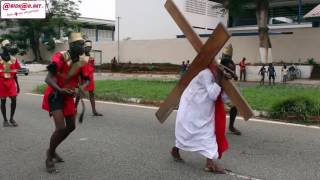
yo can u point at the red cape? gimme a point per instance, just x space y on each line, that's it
220 121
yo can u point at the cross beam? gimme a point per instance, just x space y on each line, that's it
207 52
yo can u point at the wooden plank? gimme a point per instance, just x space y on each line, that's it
184 25
212 47
167 107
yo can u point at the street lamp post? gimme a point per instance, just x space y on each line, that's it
118 39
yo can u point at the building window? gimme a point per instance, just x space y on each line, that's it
89 33
105 35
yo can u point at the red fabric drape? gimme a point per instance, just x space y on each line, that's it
220 121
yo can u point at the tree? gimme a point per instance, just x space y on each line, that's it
60 16
235 7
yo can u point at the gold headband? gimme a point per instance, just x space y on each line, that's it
88 44
5 42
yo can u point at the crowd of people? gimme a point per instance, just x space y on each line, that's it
268 71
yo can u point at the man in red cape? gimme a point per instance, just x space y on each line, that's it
9 86
91 86
64 72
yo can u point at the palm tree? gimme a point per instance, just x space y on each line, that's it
235 7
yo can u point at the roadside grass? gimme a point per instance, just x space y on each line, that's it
261 98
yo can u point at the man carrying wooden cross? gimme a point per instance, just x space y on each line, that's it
201 119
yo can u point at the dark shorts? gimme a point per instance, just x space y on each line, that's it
271 77
55 101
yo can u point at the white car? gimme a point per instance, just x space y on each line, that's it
24 69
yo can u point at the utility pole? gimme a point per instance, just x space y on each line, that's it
118 31
299 13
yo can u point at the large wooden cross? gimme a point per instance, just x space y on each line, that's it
206 53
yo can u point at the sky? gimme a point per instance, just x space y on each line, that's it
100 9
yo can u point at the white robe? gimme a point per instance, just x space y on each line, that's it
194 124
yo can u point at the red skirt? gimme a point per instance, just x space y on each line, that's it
68 105
91 86
8 87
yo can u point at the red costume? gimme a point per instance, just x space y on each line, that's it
8 71
63 65
91 69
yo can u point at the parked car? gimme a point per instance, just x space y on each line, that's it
24 69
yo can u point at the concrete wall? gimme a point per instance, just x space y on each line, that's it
302 44
148 19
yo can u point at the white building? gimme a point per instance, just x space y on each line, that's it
148 19
97 30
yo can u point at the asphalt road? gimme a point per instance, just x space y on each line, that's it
129 143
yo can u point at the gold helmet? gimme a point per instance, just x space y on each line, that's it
228 50
75 36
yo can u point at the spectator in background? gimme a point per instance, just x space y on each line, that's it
243 72
183 68
262 73
114 64
271 73
187 65
284 72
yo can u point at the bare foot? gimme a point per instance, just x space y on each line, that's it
176 155
14 123
58 158
214 167
6 124
55 157
50 167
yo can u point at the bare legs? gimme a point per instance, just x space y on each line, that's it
64 126
12 112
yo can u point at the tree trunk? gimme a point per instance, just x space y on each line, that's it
35 46
262 22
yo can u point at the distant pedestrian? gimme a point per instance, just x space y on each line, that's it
243 71
284 72
262 73
271 73
183 68
187 65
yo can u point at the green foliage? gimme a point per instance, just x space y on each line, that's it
234 7
296 108
51 45
311 61
40 89
263 98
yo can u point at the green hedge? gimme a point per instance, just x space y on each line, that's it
296 108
